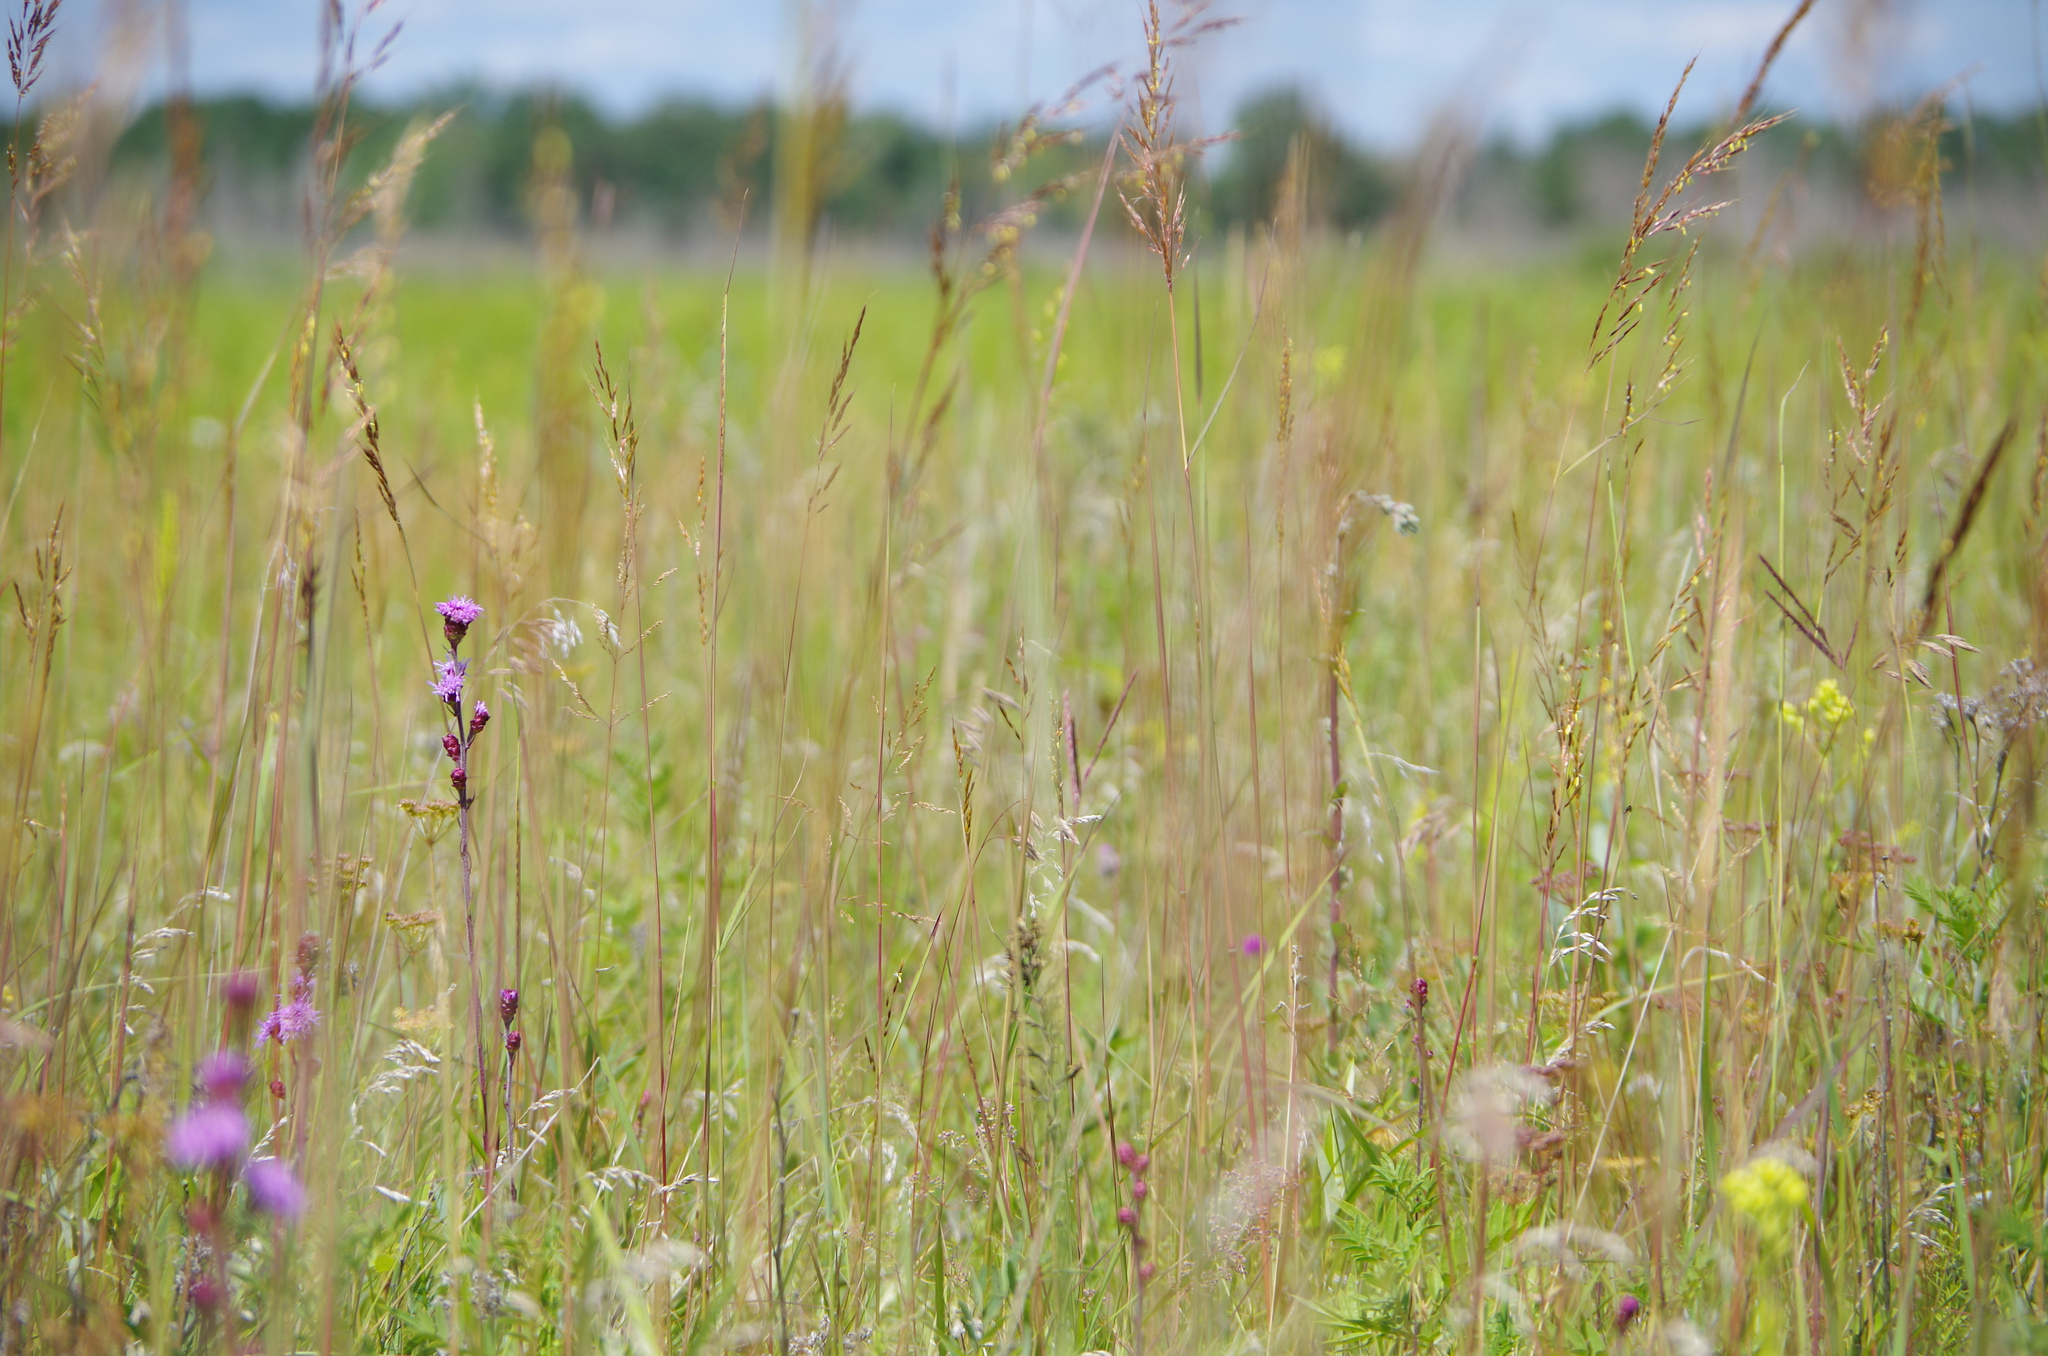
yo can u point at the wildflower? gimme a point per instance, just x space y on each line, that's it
448 676
277 1088
1770 1194
274 1188
288 1022
458 779
1626 1311
1146 1271
204 1292
457 614
239 991
1829 706
479 718
222 1074
1126 1154
210 1135
513 1040
508 1006
452 746
1254 945
1127 1217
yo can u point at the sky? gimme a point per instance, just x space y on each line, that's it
1378 67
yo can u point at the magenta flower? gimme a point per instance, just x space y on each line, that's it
288 1022
274 1188
1626 1312
508 1006
461 609
513 1040
210 1135
1126 1154
1126 1216
448 677
240 990
456 615
479 718
1254 945
223 1074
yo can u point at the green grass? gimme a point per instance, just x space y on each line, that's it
1013 746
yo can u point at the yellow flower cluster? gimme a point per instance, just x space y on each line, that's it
1768 1192
1829 708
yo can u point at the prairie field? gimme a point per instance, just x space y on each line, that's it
1116 788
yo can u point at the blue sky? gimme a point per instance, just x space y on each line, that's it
1379 66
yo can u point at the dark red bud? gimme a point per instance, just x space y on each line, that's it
277 1088
451 746
513 1040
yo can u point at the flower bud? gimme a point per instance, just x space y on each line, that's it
1139 1191
1126 1216
452 746
513 1040
479 718
508 1006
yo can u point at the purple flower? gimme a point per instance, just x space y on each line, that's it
461 609
479 718
1626 1312
1126 1216
239 990
513 1040
456 615
1254 944
452 746
223 1074
448 675
274 1188
508 1006
288 1022
210 1135
1126 1154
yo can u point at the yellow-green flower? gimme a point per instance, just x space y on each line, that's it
1829 706
1771 1194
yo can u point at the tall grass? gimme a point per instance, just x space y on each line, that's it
1247 794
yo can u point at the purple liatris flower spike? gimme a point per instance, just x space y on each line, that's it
448 675
288 1022
223 1074
274 1188
457 614
210 1135
508 1006
479 718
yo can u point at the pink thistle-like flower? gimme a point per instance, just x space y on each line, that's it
479 718
204 1292
457 614
210 1135
223 1074
240 991
274 1188
288 1022
448 676
1254 945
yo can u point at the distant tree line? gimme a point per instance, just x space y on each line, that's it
685 164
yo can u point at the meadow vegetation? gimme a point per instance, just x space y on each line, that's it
1276 792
